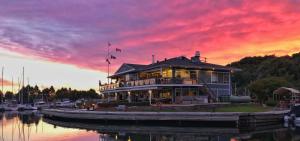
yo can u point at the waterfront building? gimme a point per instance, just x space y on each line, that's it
178 80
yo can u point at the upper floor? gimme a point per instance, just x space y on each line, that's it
174 71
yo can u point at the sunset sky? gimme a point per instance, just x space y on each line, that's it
64 42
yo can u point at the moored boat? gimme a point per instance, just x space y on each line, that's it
41 105
65 104
11 107
293 116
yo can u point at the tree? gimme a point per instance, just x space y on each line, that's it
9 95
256 68
263 88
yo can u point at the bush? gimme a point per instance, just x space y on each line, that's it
271 103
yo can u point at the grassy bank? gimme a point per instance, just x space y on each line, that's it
243 108
207 108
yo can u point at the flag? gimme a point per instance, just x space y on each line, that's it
118 50
109 44
107 61
113 57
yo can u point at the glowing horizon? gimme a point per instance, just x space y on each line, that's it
64 43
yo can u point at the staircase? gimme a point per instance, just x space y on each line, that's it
211 93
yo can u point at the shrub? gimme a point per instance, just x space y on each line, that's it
271 103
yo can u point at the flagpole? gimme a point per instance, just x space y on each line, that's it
108 63
110 57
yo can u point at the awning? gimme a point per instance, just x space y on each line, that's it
283 90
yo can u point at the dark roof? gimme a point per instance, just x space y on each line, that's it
136 66
125 68
180 62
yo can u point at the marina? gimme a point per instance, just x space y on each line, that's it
31 126
132 70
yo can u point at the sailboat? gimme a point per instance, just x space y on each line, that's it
28 106
10 106
22 106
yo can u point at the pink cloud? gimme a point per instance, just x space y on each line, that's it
77 32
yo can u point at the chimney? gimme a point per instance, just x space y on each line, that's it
196 58
153 59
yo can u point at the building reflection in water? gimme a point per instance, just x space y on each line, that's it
29 126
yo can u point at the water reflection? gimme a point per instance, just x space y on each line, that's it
30 126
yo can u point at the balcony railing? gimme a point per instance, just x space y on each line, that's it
152 81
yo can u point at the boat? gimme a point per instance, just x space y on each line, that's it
2 109
11 107
41 105
65 104
293 116
240 99
30 107
23 107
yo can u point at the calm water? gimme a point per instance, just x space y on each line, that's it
28 126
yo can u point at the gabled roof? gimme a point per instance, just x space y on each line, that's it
126 68
179 62
184 62
282 90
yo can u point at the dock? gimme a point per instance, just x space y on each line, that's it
220 119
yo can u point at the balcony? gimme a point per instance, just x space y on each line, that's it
151 81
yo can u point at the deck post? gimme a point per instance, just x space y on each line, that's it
129 97
107 97
116 96
150 96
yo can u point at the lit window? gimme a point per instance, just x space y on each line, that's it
214 77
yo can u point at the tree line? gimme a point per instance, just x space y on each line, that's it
30 94
261 75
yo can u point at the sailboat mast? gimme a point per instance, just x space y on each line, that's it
22 98
12 85
19 85
28 89
2 79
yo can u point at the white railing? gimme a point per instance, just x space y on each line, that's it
151 81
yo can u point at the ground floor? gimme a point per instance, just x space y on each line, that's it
167 95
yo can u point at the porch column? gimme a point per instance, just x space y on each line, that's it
129 97
173 73
150 96
107 97
116 96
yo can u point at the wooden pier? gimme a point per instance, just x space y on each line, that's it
236 119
